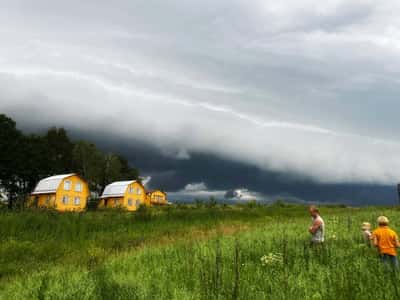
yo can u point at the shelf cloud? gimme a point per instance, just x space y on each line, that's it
305 88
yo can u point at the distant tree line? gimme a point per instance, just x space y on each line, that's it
25 159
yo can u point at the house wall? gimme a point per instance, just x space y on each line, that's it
42 200
112 202
158 197
148 199
46 200
135 195
71 193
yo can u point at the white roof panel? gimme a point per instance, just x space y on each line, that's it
50 184
116 189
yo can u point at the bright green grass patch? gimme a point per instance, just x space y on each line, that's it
229 266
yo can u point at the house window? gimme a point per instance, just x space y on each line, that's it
139 191
131 189
137 203
116 202
77 200
67 185
130 202
48 200
65 200
78 187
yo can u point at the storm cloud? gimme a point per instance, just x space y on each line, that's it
301 89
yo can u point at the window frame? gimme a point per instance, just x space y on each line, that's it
69 182
79 200
80 186
63 200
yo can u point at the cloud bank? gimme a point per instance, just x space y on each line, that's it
302 87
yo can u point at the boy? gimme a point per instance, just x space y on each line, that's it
366 233
386 240
317 228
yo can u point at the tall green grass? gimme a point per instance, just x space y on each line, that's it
224 265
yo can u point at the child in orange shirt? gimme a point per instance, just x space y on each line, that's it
387 242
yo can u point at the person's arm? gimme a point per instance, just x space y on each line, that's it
316 224
375 240
396 240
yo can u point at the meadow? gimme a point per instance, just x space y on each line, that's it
191 252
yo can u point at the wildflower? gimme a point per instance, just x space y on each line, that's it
272 259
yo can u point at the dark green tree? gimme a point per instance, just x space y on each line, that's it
59 150
112 168
127 172
10 158
37 164
88 161
25 159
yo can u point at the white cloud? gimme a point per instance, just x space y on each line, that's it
304 86
243 194
195 187
199 190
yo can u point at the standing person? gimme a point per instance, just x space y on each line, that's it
366 233
317 228
386 240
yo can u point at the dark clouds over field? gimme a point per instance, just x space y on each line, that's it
295 98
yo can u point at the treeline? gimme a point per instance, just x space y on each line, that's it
25 159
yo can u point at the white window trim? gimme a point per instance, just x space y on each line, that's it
78 184
63 200
67 182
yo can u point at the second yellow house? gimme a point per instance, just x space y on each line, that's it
157 197
67 192
123 194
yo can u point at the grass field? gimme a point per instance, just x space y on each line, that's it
189 252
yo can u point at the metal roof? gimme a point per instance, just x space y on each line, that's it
50 184
116 189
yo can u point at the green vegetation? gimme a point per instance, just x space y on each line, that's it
191 252
25 159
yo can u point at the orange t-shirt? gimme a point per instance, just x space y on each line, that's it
386 238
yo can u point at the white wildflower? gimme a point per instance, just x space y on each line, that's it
272 259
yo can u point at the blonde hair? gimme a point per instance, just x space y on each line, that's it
382 220
314 209
366 226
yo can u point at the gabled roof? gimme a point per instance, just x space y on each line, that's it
116 189
50 184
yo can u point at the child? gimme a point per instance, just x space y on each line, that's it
366 233
387 242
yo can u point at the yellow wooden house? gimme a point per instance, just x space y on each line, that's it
67 192
123 194
157 197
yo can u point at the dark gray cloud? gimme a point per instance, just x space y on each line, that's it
300 89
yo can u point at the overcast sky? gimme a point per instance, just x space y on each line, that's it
301 89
